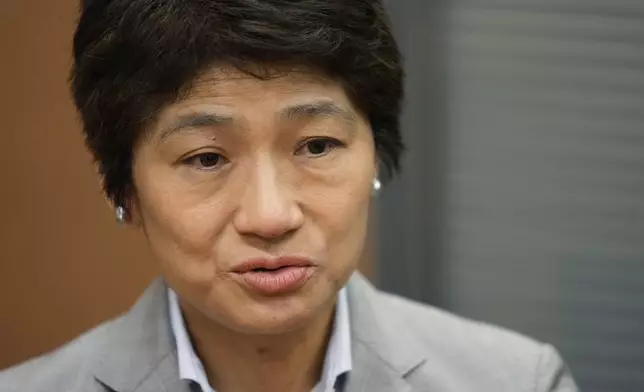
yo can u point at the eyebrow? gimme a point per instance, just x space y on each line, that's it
308 109
317 109
196 120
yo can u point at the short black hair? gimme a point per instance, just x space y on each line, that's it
132 57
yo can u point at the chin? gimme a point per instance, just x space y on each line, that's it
277 315
273 326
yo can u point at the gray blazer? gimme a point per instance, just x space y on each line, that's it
397 346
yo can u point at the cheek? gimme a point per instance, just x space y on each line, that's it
185 245
346 198
345 203
180 228
342 213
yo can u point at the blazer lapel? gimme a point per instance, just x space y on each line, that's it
382 356
139 354
372 374
164 378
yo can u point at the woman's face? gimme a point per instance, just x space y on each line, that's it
243 175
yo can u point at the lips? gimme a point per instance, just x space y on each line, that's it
274 276
272 264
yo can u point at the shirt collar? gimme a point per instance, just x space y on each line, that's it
337 360
190 366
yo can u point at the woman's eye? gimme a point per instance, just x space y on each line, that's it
205 161
319 147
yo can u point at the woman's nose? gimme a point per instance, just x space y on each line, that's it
267 208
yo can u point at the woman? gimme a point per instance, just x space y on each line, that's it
244 137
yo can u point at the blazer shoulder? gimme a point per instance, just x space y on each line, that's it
464 348
66 368
423 318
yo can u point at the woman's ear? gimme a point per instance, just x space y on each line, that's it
126 212
133 211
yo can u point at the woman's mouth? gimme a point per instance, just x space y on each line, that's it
274 276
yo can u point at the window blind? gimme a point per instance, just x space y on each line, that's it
522 197
545 222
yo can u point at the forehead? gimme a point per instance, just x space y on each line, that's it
227 84
226 97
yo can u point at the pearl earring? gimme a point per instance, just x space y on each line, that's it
376 185
119 211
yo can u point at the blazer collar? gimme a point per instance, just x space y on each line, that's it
139 352
384 355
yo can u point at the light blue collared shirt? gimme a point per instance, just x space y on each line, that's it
336 362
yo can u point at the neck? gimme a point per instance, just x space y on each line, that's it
288 362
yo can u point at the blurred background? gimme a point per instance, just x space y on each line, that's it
521 202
